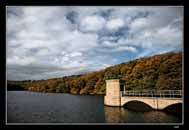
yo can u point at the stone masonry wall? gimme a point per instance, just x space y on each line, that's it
112 97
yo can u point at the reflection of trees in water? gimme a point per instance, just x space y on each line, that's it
122 115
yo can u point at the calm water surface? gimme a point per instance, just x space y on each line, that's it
32 107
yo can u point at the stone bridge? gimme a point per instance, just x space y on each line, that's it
117 96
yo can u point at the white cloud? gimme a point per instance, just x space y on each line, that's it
21 60
78 41
115 24
140 23
108 44
117 47
92 23
43 52
125 48
44 36
75 54
168 37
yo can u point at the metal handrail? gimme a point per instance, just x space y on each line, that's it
154 93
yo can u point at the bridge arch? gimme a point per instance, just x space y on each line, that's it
155 103
166 103
173 107
137 105
145 101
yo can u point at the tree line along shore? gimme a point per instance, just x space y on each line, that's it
162 72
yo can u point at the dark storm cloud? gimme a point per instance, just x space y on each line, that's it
105 13
15 72
72 16
14 11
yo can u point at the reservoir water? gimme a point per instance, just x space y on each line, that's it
33 107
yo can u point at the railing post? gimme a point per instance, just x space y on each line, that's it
172 94
153 93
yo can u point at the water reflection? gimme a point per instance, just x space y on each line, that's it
123 115
31 107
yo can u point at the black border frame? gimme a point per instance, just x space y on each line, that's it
5 3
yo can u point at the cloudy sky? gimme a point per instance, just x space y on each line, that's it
48 42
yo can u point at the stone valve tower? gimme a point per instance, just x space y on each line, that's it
113 93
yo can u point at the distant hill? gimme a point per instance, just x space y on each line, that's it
161 72
16 85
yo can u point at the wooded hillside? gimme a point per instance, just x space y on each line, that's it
156 72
